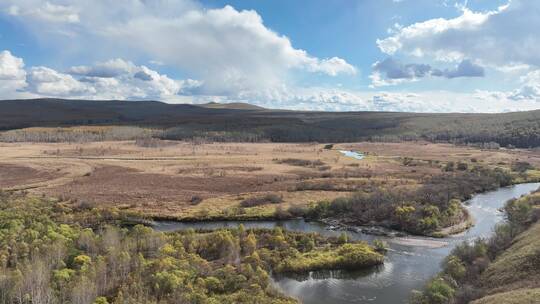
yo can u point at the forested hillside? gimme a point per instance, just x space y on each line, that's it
247 123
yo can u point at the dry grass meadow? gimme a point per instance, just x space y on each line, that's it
201 180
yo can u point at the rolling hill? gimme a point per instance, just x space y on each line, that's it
232 106
246 122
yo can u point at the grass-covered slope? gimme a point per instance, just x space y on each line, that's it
502 269
520 296
514 276
518 266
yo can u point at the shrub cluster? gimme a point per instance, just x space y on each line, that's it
436 204
300 162
259 201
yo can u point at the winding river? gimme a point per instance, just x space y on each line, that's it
409 263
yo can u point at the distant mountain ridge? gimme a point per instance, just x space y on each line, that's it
60 112
232 105
241 121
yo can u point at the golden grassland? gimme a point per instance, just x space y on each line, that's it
517 267
520 296
504 268
191 180
514 277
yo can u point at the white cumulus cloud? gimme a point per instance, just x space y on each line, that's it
506 36
230 50
112 79
45 11
48 82
504 40
11 67
12 74
529 89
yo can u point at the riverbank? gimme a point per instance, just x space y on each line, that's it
460 227
381 229
504 268
437 209
409 263
385 230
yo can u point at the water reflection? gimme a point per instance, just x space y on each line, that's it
353 154
332 274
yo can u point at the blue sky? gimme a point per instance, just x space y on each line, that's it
397 55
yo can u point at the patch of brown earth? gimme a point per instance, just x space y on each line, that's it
120 185
16 175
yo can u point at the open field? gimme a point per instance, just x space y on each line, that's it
187 180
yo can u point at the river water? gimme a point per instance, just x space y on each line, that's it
353 154
409 263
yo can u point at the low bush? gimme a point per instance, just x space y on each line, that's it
380 246
150 142
297 210
521 166
301 162
259 201
321 186
462 166
195 200
347 256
